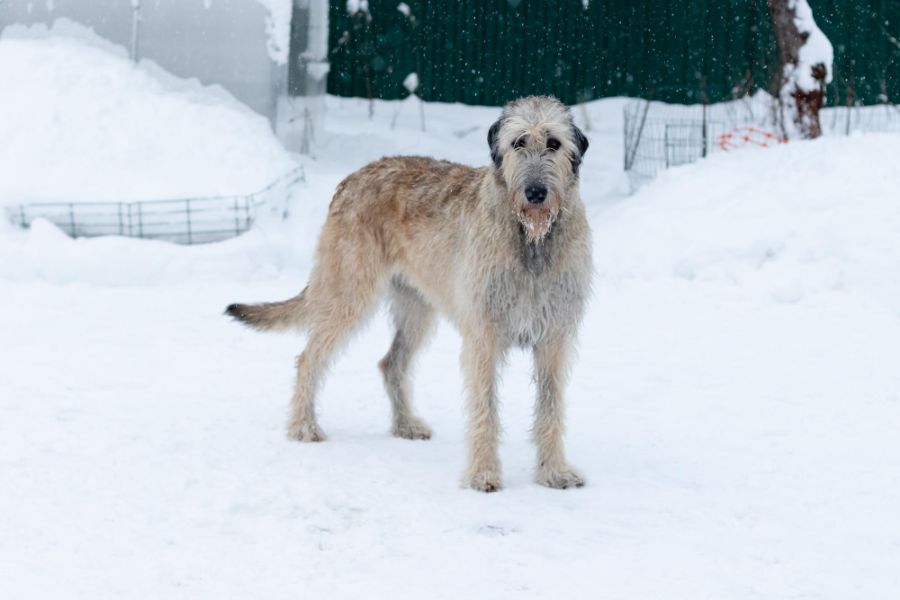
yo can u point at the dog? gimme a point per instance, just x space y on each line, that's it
503 252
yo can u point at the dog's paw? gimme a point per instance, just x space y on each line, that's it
559 478
484 481
413 428
305 432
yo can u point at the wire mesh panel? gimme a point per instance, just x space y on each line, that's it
658 136
684 143
184 220
844 120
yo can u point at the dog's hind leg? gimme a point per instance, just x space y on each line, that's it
414 320
342 294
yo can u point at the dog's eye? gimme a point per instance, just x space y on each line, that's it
520 143
553 144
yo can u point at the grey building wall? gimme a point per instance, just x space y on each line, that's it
301 111
216 41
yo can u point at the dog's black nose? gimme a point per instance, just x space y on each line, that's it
535 193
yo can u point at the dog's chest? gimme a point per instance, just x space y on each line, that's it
526 307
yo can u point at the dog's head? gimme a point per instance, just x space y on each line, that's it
536 150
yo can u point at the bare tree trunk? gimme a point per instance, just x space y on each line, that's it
806 57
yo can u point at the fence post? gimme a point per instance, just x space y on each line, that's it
71 219
187 205
705 99
237 217
629 159
135 29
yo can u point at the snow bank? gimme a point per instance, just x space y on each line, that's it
44 253
788 223
82 123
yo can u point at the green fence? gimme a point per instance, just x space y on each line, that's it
489 51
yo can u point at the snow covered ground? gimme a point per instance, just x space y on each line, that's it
735 407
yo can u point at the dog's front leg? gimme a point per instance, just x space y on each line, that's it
481 359
551 363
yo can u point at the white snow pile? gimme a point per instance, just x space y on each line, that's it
411 82
814 51
278 28
357 6
82 123
789 223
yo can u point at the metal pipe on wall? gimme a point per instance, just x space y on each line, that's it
135 29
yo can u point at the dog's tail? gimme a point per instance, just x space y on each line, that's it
271 316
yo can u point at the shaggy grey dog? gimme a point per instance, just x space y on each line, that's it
503 252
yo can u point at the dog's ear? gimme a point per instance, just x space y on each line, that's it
582 142
492 142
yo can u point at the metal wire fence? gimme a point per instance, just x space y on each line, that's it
658 136
183 220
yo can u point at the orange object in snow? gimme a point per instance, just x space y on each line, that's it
740 137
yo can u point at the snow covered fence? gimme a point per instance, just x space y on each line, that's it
658 135
180 220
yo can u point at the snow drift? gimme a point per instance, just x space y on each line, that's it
786 223
80 123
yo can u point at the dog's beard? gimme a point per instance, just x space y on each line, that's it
537 221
